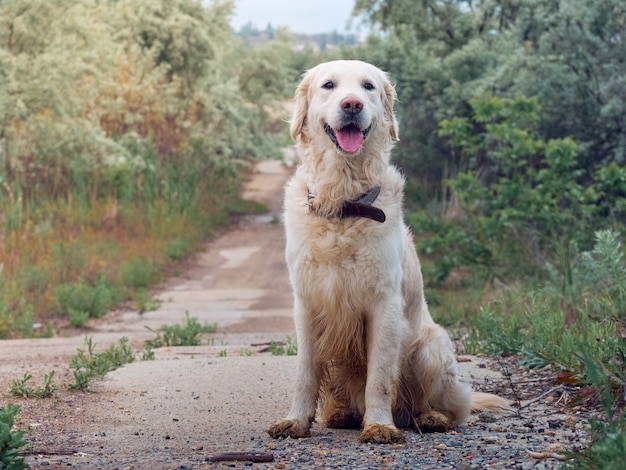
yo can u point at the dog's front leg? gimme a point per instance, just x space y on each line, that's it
383 369
298 422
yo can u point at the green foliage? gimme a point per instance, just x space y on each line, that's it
88 364
552 326
10 440
15 311
21 388
81 301
442 53
578 331
608 448
139 272
525 197
289 348
183 334
176 248
147 354
142 301
451 244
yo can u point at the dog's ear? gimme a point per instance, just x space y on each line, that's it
389 99
301 100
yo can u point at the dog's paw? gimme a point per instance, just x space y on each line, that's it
433 421
290 428
381 434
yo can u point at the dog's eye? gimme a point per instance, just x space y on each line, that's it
328 85
368 86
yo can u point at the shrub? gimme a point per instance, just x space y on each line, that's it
524 199
81 301
10 440
176 248
139 272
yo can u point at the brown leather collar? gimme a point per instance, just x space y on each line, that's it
361 207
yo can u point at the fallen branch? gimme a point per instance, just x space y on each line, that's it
540 397
547 455
50 452
255 457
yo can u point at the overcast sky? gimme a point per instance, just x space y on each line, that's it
300 16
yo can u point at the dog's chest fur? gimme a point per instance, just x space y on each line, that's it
340 268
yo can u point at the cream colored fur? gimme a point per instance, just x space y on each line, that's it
369 353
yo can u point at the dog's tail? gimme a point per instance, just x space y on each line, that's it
489 402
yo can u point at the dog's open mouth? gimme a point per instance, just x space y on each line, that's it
348 139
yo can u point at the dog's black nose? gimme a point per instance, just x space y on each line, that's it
352 105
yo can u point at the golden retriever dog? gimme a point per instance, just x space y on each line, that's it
369 353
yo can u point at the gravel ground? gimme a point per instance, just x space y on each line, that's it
544 426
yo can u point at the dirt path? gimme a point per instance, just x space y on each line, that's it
192 403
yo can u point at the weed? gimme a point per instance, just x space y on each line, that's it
80 301
246 352
176 248
222 353
78 318
88 364
21 388
139 272
147 354
10 440
143 303
289 348
183 334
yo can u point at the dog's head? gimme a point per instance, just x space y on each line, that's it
344 101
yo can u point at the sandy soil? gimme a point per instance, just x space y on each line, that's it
195 403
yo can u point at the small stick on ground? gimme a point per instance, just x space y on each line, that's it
255 457
546 455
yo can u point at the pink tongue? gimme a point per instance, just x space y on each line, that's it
350 138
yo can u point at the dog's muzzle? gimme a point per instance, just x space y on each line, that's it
349 138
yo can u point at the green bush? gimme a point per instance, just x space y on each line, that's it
10 440
81 301
139 272
176 248
526 202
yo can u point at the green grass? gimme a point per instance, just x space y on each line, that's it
185 333
574 323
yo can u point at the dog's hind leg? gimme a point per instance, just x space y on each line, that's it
444 400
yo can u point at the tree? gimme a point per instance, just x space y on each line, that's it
571 55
